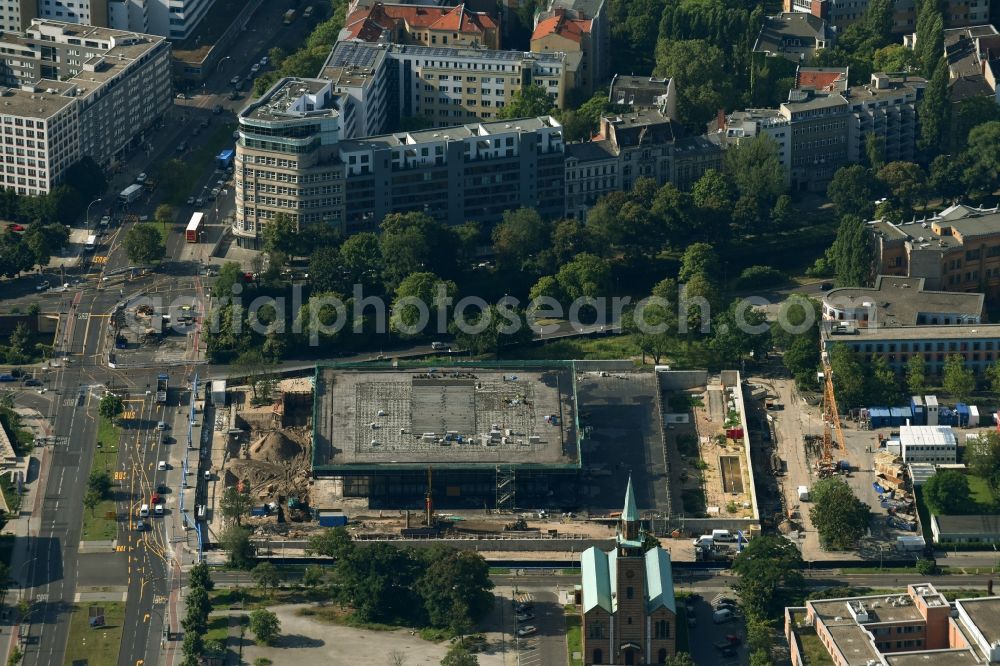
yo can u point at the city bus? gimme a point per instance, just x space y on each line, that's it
193 230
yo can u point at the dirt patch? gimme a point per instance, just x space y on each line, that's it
275 446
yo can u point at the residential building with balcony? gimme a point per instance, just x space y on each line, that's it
915 627
842 13
75 91
398 83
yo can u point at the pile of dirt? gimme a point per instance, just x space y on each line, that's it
275 446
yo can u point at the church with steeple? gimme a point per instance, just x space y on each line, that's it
629 611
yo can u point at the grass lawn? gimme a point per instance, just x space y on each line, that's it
574 636
218 628
95 647
10 495
981 494
813 651
604 347
96 527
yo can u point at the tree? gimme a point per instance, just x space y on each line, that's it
111 406
91 500
333 542
680 659
265 575
768 574
144 245
378 582
699 259
15 656
967 114
981 159
455 587
848 377
934 110
193 648
906 181
760 658
425 288
982 455
586 275
361 259
530 101
930 36
164 213
881 386
958 380
503 325
947 492
852 252
99 481
265 626
840 518
916 374
459 655
252 366
313 576
894 58
281 239
414 242
86 177
325 271
235 504
699 70
199 576
519 238
235 540
756 170
197 607
44 240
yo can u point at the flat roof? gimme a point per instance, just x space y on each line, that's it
985 614
943 230
454 133
448 416
881 608
286 100
899 301
33 104
982 524
928 333
958 657
855 643
920 436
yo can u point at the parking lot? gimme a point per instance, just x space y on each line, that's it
702 637
547 644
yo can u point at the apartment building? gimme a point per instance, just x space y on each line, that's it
577 27
85 91
973 55
918 626
440 86
287 158
795 36
957 249
643 143
827 123
472 172
16 15
293 157
427 25
85 12
841 13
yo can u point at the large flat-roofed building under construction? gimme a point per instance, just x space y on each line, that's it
473 435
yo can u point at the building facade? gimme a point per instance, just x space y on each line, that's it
81 91
629 611
917 626
578 27
795 36
842 13
16 15
295 156
957 249
398 85
928 444
426 25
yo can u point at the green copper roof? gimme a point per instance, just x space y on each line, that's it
596 579
630 513
659 581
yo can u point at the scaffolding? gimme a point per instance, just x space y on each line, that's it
506 488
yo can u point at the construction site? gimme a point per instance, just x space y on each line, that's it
473 437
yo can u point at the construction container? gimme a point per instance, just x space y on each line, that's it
219 392
931 405
962 412
947 417
879 417
973 416
898 416
910 543
918 412
330 518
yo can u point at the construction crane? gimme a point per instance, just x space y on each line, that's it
831 417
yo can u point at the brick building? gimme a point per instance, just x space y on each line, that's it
629 611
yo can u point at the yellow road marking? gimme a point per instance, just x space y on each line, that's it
100 259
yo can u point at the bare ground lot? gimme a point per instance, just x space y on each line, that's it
305 641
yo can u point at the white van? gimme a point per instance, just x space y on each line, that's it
438 345
144 511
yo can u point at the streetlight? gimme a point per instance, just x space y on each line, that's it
88 210
219 66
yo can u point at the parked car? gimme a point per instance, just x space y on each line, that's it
7 377
162 425
525 617
13 226
144 511
527 630
43 285
199 202
264 61
723 601
190 201
181 96
205 123
255 68
233 95
105 220
235 80
141 178
140 526
158 510
723 615
182 146
32 382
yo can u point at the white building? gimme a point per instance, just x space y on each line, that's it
16 14
928 444
86 12
747 124
88 92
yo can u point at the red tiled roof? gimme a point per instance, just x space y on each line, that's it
572 29
455 19
818 80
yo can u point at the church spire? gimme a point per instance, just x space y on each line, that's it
629 530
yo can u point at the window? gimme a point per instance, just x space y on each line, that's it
661 629
661 656
629 592
598 657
